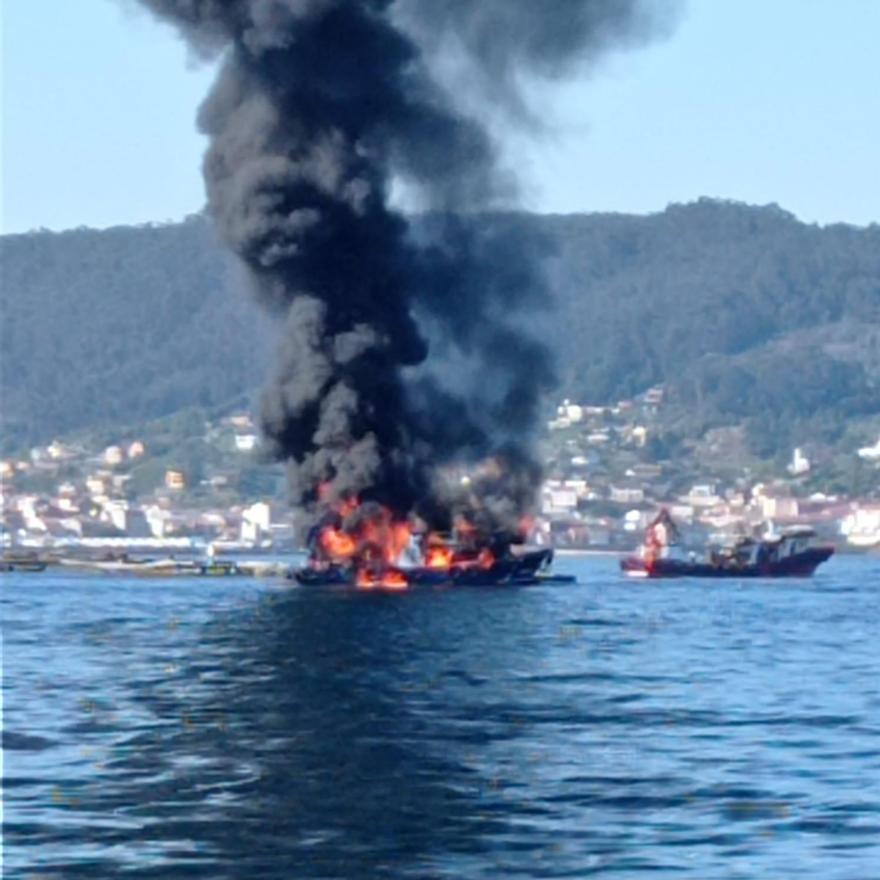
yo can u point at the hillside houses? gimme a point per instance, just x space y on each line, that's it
604 462
608 468
65 494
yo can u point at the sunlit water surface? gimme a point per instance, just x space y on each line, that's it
237 728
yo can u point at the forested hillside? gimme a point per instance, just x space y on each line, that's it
747 314
120 326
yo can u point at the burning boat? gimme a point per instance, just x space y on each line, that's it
367 548
789 553
319 112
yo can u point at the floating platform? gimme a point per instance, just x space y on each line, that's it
161 568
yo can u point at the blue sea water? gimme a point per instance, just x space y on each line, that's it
246 729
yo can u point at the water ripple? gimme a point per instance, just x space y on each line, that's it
210 729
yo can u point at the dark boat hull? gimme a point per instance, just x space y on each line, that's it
523 570
797 565
22 566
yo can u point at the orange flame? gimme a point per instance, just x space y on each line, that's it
526 526
338 544
401 535
384 538
485 558
376 539
386 579
439 557
373 544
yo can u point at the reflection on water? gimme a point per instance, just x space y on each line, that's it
229 730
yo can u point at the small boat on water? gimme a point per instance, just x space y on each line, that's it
22 563
789 553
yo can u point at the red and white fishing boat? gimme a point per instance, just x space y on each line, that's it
789 553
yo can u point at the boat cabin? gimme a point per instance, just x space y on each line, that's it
773 547
791 541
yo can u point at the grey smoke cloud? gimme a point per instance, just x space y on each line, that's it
319 106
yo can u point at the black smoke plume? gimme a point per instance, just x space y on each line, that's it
319 108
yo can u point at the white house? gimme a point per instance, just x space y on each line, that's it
703 495
870 453
799 464
559 500
255 522
246 442
158 520
626 495
116 514
862 527
114 455
779 507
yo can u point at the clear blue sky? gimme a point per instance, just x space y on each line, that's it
756 100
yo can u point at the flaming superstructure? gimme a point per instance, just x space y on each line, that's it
368 546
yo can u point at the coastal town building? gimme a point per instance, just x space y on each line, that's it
175 480
246 442
113 456
870 453
608 470
862 527
799 464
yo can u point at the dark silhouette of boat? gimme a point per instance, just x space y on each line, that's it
790 553
514 569
9 564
